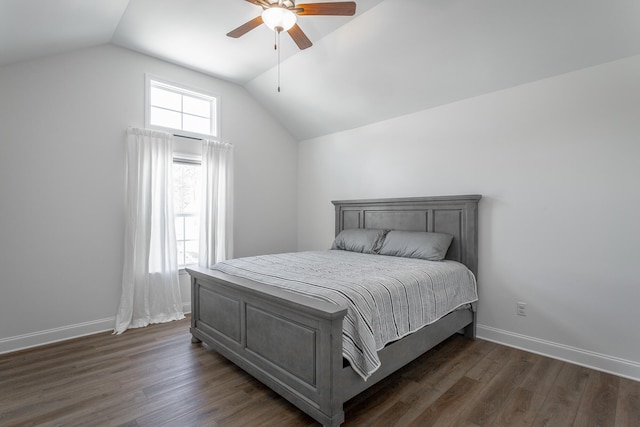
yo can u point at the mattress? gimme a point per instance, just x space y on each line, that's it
386 297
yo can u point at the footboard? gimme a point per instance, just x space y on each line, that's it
291 343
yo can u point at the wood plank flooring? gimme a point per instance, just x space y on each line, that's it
156 377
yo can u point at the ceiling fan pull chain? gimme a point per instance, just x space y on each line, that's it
279 60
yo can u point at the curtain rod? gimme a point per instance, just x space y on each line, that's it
188 137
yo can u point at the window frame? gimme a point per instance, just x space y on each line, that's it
151 81
185 159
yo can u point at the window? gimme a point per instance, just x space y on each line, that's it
186 194
181 111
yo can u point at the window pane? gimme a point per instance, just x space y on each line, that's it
196 124
191 252
192 226
179 228
196 106
190 187
186 187
178 199
178 191
190 113
166 118
181 254
165 99
186 180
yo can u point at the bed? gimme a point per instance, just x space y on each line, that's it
293 343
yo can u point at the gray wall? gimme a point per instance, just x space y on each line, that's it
62 168
557 162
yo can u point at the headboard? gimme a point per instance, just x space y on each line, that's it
455 215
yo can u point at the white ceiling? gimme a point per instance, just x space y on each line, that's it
34 28
193 33
392 58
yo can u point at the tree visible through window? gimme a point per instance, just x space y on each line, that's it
186 193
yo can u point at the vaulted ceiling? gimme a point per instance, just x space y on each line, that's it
394 57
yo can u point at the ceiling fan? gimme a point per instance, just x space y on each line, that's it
282 15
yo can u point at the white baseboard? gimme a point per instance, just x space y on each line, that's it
49 336
601 362
589 359
186 307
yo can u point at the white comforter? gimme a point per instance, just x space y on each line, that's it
387 297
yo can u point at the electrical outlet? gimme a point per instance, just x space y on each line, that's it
521 309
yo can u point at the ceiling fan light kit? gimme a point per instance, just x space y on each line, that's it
279 18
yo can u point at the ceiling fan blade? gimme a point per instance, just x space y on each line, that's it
246 27
299 37
347 8
263 3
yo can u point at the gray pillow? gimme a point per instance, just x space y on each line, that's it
365 240
416 244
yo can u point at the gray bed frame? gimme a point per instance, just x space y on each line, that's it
293 343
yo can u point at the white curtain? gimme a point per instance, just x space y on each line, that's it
150 287
216 211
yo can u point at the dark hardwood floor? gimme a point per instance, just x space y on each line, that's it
156 377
